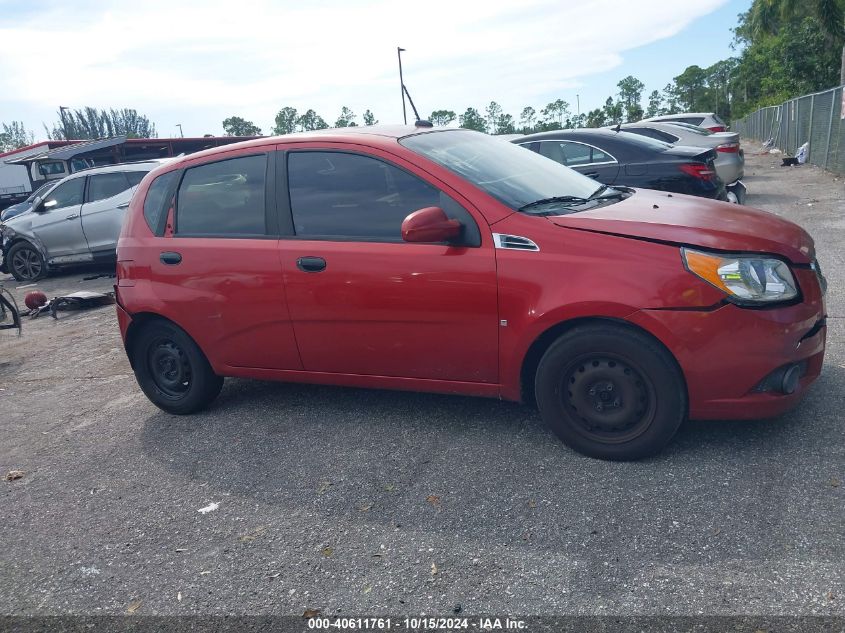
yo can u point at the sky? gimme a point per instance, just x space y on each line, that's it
197 63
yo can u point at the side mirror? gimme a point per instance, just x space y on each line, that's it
430 224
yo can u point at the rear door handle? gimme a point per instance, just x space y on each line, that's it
170 258
311 264
72 216
591 174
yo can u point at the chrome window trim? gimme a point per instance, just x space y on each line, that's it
566 140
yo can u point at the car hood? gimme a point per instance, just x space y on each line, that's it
688 220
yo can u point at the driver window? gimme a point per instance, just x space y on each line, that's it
65 195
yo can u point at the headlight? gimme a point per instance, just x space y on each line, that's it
746 278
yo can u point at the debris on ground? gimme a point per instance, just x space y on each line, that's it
311 613
211 507
134 606
12 475
81 300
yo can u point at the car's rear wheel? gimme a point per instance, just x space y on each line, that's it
172 370
610 392
25 262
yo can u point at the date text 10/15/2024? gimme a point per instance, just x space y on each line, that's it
418 624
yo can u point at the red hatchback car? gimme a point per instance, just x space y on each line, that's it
449 261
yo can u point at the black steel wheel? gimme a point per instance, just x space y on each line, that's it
611 392
25 262
172 370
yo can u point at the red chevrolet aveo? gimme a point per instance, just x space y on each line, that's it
449 261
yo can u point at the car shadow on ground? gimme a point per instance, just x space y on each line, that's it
375 457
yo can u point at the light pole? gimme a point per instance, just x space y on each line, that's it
578 102
181 134
402 84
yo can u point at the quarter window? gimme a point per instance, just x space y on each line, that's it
65 195
340 195
223 199
158 199
102 186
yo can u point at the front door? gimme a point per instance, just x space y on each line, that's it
58 223
362 301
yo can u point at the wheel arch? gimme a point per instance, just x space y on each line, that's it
531 359
138 321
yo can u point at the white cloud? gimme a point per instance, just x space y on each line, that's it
198 62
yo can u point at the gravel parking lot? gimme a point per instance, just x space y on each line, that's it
359 502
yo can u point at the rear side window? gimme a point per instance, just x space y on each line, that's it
102 186
223 199
158 198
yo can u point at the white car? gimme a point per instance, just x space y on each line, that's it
78 221
707 120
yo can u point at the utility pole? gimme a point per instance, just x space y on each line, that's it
181 134
578 104
64 121
402 84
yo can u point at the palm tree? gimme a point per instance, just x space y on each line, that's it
768 15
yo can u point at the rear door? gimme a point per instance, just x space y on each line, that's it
216 271
58 224
106 200
365 302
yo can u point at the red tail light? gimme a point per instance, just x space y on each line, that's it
730 148
698 170
718 128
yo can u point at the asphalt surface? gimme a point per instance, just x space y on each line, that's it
358 502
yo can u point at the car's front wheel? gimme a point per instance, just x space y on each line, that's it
172 370
610 392
25 262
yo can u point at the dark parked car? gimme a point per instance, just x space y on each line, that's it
625 159
22 207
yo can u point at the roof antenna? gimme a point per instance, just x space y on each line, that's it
419 122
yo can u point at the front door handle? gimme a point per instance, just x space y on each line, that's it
72 216
170 258
311 264
123 206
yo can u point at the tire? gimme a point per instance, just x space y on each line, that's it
25 262
610 392
172 370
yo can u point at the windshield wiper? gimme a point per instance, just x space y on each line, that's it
599 194
553 200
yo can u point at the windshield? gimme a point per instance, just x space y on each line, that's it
512 174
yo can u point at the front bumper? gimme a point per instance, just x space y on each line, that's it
726 353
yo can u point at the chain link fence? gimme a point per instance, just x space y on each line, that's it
816 118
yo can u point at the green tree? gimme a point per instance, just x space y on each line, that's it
654 101
310 120
442 117
554 113
236 126
472 120
91 123
771 16
670 100
505 124
346 118
690 88
613 111
369 118
596 118
286 121
630 94
14 136
527 118
494 111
